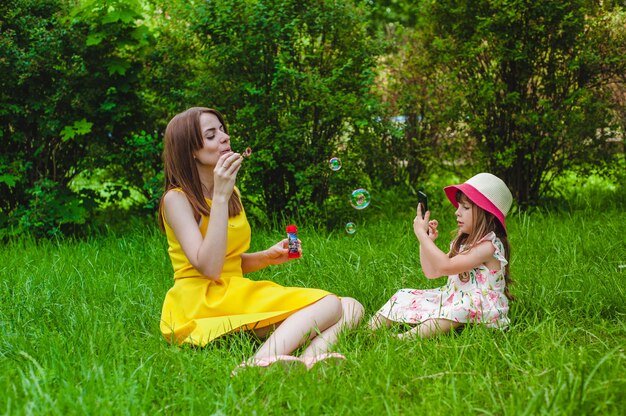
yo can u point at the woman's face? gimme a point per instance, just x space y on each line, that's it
215 141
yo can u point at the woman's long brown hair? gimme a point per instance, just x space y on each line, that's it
484 223
183 137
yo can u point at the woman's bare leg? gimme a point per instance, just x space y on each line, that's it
262 332
352 313
302 326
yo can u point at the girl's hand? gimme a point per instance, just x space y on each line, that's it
433 233
225 174
279 252
424 225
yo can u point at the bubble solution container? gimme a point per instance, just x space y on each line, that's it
292 237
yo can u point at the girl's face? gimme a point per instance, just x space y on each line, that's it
465 215
215 141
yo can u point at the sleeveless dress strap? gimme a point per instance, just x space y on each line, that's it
497 244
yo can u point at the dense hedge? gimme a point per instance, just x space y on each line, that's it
398 90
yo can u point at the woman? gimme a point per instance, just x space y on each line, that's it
208 236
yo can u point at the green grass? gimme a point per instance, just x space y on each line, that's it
79 328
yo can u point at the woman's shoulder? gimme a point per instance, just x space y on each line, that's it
174 193
175 197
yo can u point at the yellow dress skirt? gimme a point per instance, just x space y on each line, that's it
197 310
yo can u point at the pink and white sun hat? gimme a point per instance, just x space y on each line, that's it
487 191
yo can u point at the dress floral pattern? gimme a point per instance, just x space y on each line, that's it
477 299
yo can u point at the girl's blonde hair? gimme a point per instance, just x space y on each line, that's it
183 137
483 223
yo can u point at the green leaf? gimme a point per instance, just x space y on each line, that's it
125 16
140 33
82 127
118 66
67 133
111 17
95 38
9 180
107 106
79 128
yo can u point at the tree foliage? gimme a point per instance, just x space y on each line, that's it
422 104
293 78
70 94
528 73
397 89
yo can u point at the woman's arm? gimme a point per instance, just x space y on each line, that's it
277 254
206 255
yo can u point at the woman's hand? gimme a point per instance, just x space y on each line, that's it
225 174
279 252
276 254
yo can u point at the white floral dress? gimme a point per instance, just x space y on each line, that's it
479 300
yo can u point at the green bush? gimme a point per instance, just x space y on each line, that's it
293 79
70 95
531 77
51 209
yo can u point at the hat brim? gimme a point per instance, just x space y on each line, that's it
477 198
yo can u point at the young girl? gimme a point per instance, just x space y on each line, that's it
477 265
208 237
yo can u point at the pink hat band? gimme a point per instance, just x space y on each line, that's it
487 191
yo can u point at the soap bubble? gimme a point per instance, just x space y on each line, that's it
247 152
351 228
360 198
335 163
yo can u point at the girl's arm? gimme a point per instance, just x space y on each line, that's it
432 233
277 254
435 263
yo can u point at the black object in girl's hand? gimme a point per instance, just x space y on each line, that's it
422 199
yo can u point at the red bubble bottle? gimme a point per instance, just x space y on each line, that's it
292 237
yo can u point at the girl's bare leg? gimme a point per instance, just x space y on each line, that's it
430 328
302 326
352 313
378 321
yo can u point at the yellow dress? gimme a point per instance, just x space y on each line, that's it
197 310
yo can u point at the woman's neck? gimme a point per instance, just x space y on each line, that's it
206 178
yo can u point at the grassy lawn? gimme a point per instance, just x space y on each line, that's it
79 327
